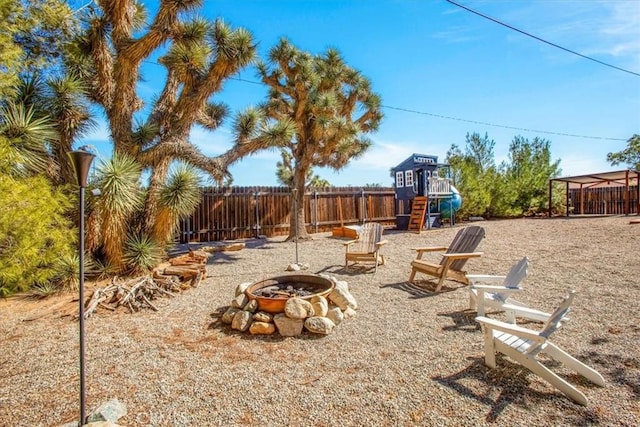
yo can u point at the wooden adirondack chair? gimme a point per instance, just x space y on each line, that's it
366 248
453 260
523 346
482 295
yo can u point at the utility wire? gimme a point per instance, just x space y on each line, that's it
440 116
539 39
501 126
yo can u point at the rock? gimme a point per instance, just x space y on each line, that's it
341 284
242 287
227 317
319 325
262 328
241 321
343 298
251 306
349 313
110 411
286 326
293 267
320 305
335 315
239 301
297 267
297 308
263 316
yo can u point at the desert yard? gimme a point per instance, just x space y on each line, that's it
410 357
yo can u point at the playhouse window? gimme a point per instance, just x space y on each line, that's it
399 179
408 178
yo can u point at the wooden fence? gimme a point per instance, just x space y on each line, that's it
227 213
603 200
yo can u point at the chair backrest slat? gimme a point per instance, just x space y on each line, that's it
368 235
465 241
516 274
558 316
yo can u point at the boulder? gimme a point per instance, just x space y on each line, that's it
320 305
288 327
109 411
319 325
242 287
343 299
297 308
262 328
241 321
335 315
263 316
227 317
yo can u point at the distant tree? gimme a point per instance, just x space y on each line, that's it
528 173
32 36
330 107
474 173
630 155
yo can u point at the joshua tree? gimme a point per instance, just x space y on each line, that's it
330 106
199 57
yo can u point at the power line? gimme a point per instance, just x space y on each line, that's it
540 39
440 116
406 110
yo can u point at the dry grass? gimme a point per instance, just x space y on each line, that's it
410 357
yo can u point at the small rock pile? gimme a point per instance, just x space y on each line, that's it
318 315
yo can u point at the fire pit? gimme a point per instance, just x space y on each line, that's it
273 293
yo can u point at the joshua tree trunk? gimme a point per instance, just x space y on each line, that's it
297 222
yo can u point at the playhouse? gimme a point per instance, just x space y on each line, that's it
424 194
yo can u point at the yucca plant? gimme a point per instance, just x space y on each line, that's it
24 139
141 253
43 290
119 181
178 199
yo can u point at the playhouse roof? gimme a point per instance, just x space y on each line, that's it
418 159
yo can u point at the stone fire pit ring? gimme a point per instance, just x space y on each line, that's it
272 293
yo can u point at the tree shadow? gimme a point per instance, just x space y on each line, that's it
621 370
511 384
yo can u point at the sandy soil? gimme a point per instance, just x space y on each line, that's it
410 357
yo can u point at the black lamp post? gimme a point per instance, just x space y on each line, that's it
81 160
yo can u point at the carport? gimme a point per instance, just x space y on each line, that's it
623 178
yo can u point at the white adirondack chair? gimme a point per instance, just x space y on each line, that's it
495 291
523 346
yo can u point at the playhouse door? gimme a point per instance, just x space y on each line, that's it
420 181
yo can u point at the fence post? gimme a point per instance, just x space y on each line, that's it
256 227
362 207
315 209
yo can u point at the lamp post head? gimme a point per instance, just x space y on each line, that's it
81 160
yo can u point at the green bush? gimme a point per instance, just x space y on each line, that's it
34 233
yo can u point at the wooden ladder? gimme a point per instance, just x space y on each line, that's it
418 212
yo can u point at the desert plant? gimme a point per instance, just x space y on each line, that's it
34 232
178 198
141 253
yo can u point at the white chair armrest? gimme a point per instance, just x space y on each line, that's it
500 289
510 328
485 278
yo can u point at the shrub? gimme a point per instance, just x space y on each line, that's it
34 232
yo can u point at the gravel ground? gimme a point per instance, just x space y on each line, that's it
409 358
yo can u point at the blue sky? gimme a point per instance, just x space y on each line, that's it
437 59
